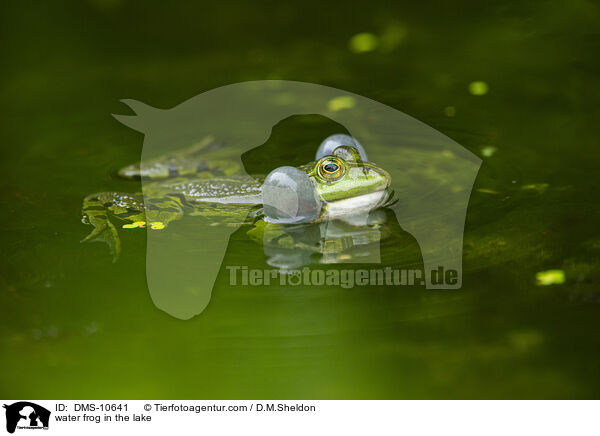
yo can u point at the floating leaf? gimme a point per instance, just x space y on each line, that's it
478 88
488 151
550 277
363 42
341 102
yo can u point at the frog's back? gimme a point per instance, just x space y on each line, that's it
236 189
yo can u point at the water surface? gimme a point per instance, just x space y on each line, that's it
75 325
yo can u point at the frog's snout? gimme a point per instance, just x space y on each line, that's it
377 176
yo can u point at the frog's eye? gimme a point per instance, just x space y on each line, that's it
331 169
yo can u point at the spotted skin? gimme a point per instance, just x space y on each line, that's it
167 201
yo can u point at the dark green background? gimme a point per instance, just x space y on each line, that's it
74 325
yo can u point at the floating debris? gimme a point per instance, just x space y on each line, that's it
478 88
363 42
341 102
487 191
550 277
450 111
137 224
52 331
488 151
49 332
284 98
594 243
540 187
392 37
525 340
91 328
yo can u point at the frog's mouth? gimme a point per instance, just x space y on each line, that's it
356 205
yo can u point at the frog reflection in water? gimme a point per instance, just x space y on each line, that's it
334 210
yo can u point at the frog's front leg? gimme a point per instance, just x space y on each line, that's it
162 210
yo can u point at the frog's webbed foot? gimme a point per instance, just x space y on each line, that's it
107 233
95 210
137 212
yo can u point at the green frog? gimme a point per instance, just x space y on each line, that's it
339 187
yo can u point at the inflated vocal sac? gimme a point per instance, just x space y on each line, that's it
289 197
332 142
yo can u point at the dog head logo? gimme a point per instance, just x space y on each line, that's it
26 415
431 175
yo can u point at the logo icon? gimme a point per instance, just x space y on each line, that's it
26 415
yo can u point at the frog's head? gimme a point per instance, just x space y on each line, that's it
343 175
339 185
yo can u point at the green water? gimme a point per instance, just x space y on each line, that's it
75 325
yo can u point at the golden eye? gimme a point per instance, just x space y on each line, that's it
331 169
